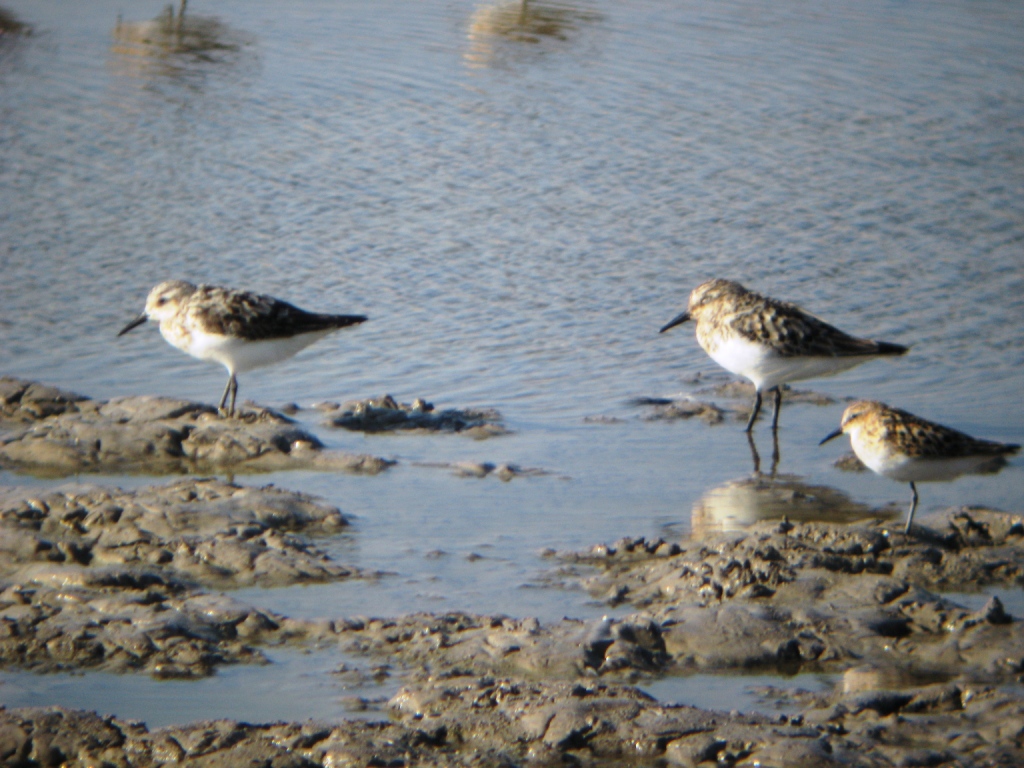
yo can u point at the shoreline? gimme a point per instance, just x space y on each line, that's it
139 582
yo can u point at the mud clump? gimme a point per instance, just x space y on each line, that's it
202 532
664 409
498 691
700 405
438 646
486 721
481 469
385 414
784 594
124 621
110 579
47 431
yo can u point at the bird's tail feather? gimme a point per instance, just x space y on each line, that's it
887 348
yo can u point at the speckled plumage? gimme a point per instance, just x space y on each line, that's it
771 342
904 447
238 329
723 308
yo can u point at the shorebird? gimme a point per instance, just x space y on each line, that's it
907 448
771 342
238 329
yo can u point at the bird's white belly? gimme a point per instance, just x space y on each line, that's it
240 355
907 469
937 470
766 368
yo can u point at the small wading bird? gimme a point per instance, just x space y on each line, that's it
771 342
904 447
238 329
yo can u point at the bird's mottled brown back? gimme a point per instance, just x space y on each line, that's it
725 307
256 317
919 438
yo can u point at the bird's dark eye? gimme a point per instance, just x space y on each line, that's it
161 301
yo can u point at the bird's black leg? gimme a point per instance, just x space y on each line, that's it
224 397
755 411
913 508
778 406
232 387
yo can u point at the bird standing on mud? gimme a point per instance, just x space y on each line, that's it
238 329
907 448
771 342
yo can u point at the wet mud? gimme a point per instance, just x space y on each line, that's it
704 401
385 414
824 596
130 581
501 722
44 430
116 580
201 532
925 681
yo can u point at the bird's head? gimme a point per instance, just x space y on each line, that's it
163 302
855 417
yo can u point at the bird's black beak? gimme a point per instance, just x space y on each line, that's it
831 436
134 324
677 320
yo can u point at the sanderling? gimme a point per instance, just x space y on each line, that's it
238 329
771 342
905 447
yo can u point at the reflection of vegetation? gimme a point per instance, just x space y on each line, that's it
521 21
173 34
9 25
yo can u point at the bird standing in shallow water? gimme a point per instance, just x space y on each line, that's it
771 342
238 329
905 447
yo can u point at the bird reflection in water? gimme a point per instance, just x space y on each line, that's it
757 457
522 23
738 504
173 41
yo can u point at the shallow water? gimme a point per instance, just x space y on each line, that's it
295 686
519 204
